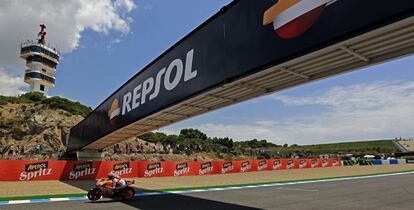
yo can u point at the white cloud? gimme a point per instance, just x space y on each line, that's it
10 85
66 20
357 112
127 5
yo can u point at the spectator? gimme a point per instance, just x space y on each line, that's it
142 148
127 148
138 150
22 150
37 148
11 150
42 148
118 148
17 152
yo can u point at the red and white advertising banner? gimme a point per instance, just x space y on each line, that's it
314 163
151 169
29 170
301 163
203 168
81 170
262 165
324 162
290 163
26 170
226 167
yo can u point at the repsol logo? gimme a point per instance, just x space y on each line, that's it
34 170
245 166
81 170
335 162
290 164
205 168
181 168
152 169
262 165
167 78
276 164
122 168
227 166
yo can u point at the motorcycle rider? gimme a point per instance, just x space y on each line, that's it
117 182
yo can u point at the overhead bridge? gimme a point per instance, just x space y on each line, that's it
249 49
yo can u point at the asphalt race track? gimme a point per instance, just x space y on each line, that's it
391 192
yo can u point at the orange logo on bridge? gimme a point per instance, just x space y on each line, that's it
114 111
292 18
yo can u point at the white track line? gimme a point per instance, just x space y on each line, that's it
140 194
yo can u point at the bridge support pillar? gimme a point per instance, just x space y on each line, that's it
89 155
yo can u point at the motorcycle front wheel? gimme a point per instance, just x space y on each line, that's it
94 194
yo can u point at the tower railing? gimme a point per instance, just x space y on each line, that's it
34 42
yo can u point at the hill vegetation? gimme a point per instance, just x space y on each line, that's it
54 102
357 148
192 140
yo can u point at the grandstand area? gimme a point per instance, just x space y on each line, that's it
407 145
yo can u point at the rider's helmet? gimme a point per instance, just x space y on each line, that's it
111 176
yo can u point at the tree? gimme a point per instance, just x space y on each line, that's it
154 137
191 133
32 97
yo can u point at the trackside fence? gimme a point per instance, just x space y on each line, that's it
29 170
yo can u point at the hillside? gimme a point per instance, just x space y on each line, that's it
32 119
38 124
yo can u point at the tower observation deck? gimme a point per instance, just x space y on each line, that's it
41 63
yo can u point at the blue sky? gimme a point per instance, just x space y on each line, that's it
101 52
157 26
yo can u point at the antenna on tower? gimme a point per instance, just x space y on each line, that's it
42 34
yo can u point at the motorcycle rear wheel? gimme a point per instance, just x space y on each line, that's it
128 193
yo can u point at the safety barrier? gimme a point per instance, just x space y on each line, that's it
28 170
388 162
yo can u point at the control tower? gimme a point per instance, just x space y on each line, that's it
41 62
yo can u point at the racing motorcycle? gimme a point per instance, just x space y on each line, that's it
104 189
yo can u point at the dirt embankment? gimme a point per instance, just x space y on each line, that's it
23 126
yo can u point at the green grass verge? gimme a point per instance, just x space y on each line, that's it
195 188
41 197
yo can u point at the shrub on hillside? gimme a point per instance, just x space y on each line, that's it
31 97
3 100
54 102
62 103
